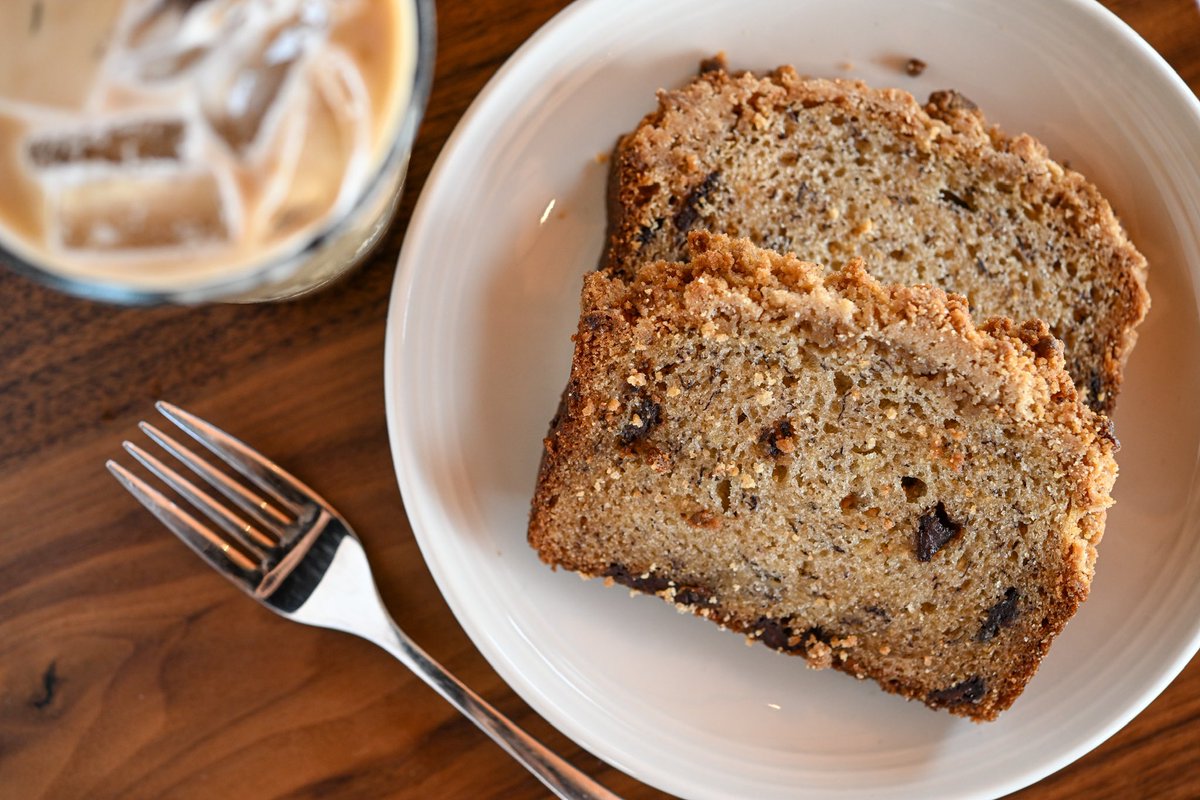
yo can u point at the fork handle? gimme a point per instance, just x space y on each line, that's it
559 776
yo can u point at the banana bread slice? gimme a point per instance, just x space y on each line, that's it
843 470
834 170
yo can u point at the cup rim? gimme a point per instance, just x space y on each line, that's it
289 260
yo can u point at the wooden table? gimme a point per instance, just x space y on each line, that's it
128 670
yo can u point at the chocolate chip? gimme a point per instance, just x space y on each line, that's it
950 197
777 439
688 212
971 691
646 233
934 529
1000 615
878 611
654 583
646 414
692 596
774 633
778 634
1096 391
914 66
645 582
597 321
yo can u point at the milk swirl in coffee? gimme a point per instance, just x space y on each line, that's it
167 142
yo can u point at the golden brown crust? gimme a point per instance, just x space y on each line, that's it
1000 376
667 173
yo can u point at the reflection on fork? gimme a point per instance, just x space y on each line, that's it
279 542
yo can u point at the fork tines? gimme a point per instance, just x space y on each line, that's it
248 538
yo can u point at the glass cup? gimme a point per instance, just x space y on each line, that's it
205 150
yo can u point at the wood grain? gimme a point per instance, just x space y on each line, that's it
127 671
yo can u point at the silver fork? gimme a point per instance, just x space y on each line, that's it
292 552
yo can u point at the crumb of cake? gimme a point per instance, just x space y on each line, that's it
716 63
914 67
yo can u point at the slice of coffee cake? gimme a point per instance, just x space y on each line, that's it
834 170
846 471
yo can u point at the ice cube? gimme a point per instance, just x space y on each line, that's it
161 22
172 64
120 143
139 211
240 95
333 152
170 37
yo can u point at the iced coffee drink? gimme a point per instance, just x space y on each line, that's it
203 149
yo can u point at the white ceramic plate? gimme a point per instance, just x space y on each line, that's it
478 352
